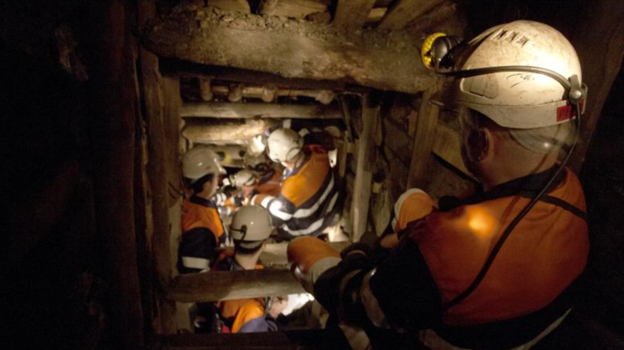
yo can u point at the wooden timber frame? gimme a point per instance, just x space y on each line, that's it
163 112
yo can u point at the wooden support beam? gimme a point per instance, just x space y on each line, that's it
269 92
423 143
173 66
363 173
154 162
292 8
172 125
404 11
261 110
225 132
227 285
353 13
291 48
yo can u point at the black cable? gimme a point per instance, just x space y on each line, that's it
529 69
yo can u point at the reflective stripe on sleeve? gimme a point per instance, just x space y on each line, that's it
315 226
266 200
275 208
195 263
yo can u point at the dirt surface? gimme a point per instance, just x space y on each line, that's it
205 17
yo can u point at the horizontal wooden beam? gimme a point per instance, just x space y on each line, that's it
173 66
292 8
296 49
206 130
255 110
227 285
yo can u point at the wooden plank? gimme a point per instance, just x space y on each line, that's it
156 189
172 66
291 48
604 36
363 173
423 143
291 8
404 11
376 14
353 13
227 285
225 132
261 110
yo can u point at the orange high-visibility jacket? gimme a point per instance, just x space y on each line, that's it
525 289
307 196
202 232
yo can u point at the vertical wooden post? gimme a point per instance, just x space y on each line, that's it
363 172
172 120
113 96
157 162
423 144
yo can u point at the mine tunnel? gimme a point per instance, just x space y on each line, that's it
102 100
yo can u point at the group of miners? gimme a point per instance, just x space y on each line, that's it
494 269
287 189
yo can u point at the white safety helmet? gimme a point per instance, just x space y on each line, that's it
257 162
251 225
517 99
243 178
199 162
284 145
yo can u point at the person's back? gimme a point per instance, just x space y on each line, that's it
250 229
202 229
496 270
308 193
